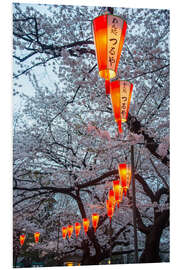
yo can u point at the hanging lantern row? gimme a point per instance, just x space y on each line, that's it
69 229
120 187
114 197
23 237
109 33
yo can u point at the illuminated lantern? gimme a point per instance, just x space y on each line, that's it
125 176
111 198
64 232
121 92
110 209
36 236
22 238
95 220
77 228
118 191
85 224
70 230
109 34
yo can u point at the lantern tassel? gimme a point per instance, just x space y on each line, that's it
119 126
125 191
107 86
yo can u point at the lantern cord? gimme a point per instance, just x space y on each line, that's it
107 86
110 9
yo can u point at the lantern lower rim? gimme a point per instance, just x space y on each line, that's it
107 74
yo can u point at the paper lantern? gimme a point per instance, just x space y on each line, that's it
70 230
111 198
77 228
118 191
121 92
110 209
64 232
85 224
109 34
95 220
36 237
125 176
22 238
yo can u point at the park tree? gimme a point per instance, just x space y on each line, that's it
66 146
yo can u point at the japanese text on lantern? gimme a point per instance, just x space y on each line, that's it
114 33
125 88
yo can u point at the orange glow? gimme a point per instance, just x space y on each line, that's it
70 264
22 238
121 92
77 228
109 34
36 237
110 209
64 232
95 220
85 224
125 176
111 198
118 191
70 230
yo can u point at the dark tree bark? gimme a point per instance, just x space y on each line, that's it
151 251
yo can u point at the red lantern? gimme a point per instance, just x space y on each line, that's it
118 191
95 220
121 92
77 228
109 34
85 224
64 232
110 209
70 230
125 176
22 238
36 236
111 198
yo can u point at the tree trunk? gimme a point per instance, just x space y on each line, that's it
151 251
92 260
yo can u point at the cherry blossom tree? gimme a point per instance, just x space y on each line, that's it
66 144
